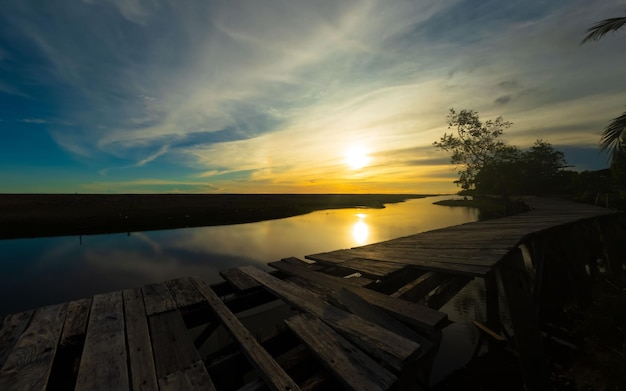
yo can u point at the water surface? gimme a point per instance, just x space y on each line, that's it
37 272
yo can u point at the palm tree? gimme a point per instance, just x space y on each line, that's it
615 132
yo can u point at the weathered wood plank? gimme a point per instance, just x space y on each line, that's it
374 268
273 374
447 290
13 325
419 287
28 365
184 292
359 307
375 340
171 343
301 263
194 378
354 369
141 363
157 298
103 362
75 321
414 314
238 279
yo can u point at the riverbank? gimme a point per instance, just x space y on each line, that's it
39 215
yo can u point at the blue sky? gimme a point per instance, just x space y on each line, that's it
284 96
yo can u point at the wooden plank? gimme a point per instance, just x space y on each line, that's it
447 290
447 267
171 343
354 369
103 362
414 314
141 363
13 325
157 298
301 263
273 374
75 321
28 365
420 287
378 342
193 378
374 268
359 307
488 331
184 292
238 279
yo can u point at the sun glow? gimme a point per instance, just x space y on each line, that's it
360 229
357 158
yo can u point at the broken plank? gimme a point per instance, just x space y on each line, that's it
359 307
446 291
414 314
140 360
171 343
420 287
238 279
194 378
103 362
157 298
13 325
380 343
75 321
28 365
354 369
184 292
488 331
274 375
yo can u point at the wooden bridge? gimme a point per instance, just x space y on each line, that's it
365 318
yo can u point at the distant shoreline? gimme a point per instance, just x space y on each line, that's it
44 215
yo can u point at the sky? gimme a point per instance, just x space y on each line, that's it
289 96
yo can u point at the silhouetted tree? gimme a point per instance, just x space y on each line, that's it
486 165
543 169
474 144
614 134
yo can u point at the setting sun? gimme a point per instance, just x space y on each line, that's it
357 158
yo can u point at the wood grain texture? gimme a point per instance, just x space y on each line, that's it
194 378
184 292
12 326
76 320
157 298
28 365
172 344
273 374
103 363
353 368
238 279
140 359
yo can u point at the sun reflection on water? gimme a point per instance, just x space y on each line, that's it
360 229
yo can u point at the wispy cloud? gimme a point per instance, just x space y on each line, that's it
269 95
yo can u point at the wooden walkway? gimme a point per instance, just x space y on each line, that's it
364 319
472 249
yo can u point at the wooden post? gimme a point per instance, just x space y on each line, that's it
516 285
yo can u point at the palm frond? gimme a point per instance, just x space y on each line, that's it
602 28
613 135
